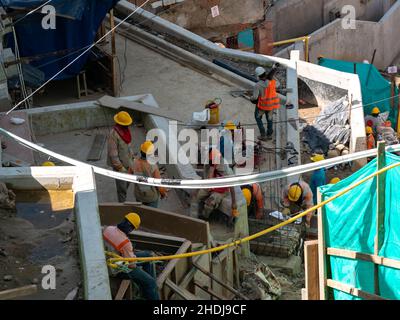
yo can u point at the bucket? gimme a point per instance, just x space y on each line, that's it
214 110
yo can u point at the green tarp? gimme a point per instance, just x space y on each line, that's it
350 223
374 86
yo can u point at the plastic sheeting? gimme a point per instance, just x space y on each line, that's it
374 86
331 127
76 27
350 223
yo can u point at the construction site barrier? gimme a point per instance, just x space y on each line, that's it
111 261
206 183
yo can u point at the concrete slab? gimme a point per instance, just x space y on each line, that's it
291 266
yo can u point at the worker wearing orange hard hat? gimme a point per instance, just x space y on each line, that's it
148 195
211 199
119 150
116 240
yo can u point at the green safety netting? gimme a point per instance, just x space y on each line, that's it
350 223
374 86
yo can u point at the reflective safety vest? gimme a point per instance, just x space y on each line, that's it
116 238
371 142
270 100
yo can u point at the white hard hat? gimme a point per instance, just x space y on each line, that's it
260 71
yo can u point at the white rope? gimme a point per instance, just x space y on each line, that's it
206 183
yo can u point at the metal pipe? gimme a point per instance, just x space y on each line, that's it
305 40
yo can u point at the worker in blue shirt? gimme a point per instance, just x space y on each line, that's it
318 177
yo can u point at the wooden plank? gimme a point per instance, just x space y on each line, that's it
115 103
18 292
380 211
157 220
172 264
180 291
208 290
311 269
391 263
353 291
125 284
304 294
322 265
97 148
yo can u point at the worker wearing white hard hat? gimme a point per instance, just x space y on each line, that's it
266 99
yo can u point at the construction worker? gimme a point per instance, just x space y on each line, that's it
374 118
371 143
255 200
334 180
148 195
226 142
212 198
120 152
298 197
266 99
117 241
318 177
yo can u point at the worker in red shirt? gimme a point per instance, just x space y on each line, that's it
117 241
213 198
255 200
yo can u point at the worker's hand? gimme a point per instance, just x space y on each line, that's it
286 211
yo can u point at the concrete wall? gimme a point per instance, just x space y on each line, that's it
81 181
332 41
307 16
195 15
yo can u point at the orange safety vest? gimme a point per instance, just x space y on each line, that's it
370 142
270 100
116 238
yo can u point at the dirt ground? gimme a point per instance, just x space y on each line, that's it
34 236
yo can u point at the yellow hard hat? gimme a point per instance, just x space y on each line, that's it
369 130
123 118
295 192
318 157
48 164
334 180
147 147
230 126
376 111
134 219
247 195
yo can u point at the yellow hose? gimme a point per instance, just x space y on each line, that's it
256 235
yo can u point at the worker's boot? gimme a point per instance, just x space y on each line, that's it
263 138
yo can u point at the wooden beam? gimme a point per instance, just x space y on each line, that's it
125 284
208 290
311 269
322 264
380 211
18 292
180 291
391 263
353 291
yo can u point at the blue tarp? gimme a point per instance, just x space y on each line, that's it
77 23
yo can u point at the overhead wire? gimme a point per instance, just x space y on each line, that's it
76 59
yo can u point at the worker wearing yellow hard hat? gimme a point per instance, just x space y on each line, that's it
119 150
116 240
371 143
334 180
254 200
148 195
318 177
375 111
298 197
230 126
226 142
48 164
